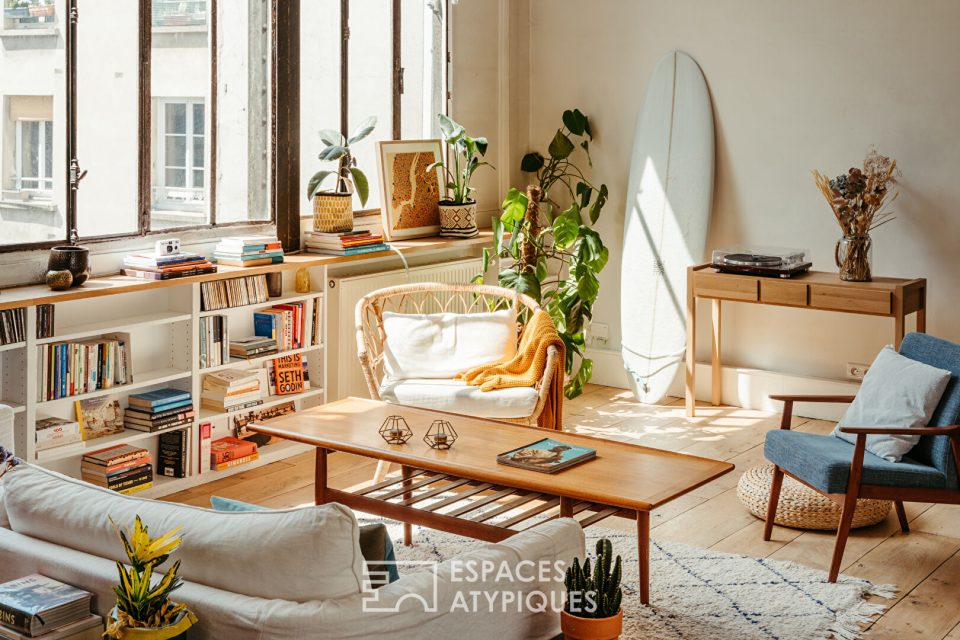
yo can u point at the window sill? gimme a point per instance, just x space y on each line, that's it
24 32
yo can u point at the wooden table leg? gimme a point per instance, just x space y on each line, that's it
716 377
643 546
566 507
320 477
691 346
407 529
922 312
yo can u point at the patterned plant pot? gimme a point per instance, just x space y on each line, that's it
332 212
458 220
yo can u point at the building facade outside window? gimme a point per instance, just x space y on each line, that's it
181 155
34 155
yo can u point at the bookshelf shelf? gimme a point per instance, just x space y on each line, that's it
16 406
141 380
87 330
12 346
252 362
287 299
128 436
269 401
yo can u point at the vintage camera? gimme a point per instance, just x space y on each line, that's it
165 248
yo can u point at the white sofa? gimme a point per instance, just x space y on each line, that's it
58 526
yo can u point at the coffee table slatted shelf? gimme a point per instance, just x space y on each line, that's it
464 491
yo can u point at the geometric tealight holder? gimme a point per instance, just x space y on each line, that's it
440 435
395 430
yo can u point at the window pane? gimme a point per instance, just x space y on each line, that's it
198 119
243 109
422 56
48 149
197 178
370 79
176 151
29 149
198 153
175 178
107 117
319 89
176 121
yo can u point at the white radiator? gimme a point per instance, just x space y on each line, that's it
343 293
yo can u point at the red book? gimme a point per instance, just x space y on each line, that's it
230 448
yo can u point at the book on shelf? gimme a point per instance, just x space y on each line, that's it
123 468
35 604
546 456
45 321
182 419
316 327
169 274
73 368
252 347
125 481
214 346
229 451
233 292
172 454
250 262
348 251
231 389
289 375
158 398
88 628
204 434
368 221
13 325
284 323
241 421
236 462
248 251
99 417
51 433
178 265
304 383
343 240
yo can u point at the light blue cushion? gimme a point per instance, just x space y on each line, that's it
943 355
389 557
823 462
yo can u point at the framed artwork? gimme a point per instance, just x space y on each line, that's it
410 194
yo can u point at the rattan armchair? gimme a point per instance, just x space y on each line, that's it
440 298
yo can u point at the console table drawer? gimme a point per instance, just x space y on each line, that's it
847 298
716 285
783 292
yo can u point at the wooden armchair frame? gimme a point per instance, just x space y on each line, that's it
437 297
855 488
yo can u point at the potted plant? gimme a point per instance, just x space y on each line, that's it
556 254
458 211
333 210
592 610
144 610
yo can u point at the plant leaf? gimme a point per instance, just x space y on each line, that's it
331 137
598 204
575 121
514 206
526 283
561 147
574 386
497 224
566 228
333 152
450 130
482 145
363 130
361 184
532 162
314 185
584 192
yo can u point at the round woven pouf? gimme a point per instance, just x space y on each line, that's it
801 507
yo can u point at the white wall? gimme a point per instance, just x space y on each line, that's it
796 86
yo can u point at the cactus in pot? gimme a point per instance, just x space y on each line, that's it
594 596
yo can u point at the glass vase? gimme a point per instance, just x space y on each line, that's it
853 255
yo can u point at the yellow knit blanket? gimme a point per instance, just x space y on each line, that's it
526 367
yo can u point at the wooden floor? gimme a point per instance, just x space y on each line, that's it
924 564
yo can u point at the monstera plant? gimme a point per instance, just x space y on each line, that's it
547 239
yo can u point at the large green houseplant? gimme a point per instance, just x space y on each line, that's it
592 609
458 210
548 236
333 209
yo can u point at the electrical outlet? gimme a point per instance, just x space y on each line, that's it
856 370
599 333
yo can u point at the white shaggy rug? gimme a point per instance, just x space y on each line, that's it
698 594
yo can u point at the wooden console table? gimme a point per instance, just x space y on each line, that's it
888 297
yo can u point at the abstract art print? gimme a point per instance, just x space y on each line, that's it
410 192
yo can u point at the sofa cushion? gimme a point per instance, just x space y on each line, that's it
295 554
441 345
823 461
896 392
455 396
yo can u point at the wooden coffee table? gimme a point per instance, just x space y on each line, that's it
624 480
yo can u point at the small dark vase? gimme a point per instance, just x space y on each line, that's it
74 259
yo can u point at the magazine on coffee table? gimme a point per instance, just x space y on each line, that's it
546 456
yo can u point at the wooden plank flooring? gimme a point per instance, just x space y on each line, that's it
924 564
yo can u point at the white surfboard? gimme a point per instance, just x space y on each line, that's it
669 198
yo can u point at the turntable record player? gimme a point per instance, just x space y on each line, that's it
774 262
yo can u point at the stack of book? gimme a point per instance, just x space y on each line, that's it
12 323
252 347
72 368
235 292
57 432
214 348
231 390
231 452
40 606
177 265
159 410
348 243
172 454
368 221
45 324
248 251
284 323
122 468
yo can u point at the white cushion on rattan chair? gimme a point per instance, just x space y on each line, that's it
456 397
441 345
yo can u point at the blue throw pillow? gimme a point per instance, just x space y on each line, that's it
368 535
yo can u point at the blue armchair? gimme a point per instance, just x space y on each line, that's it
845 472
